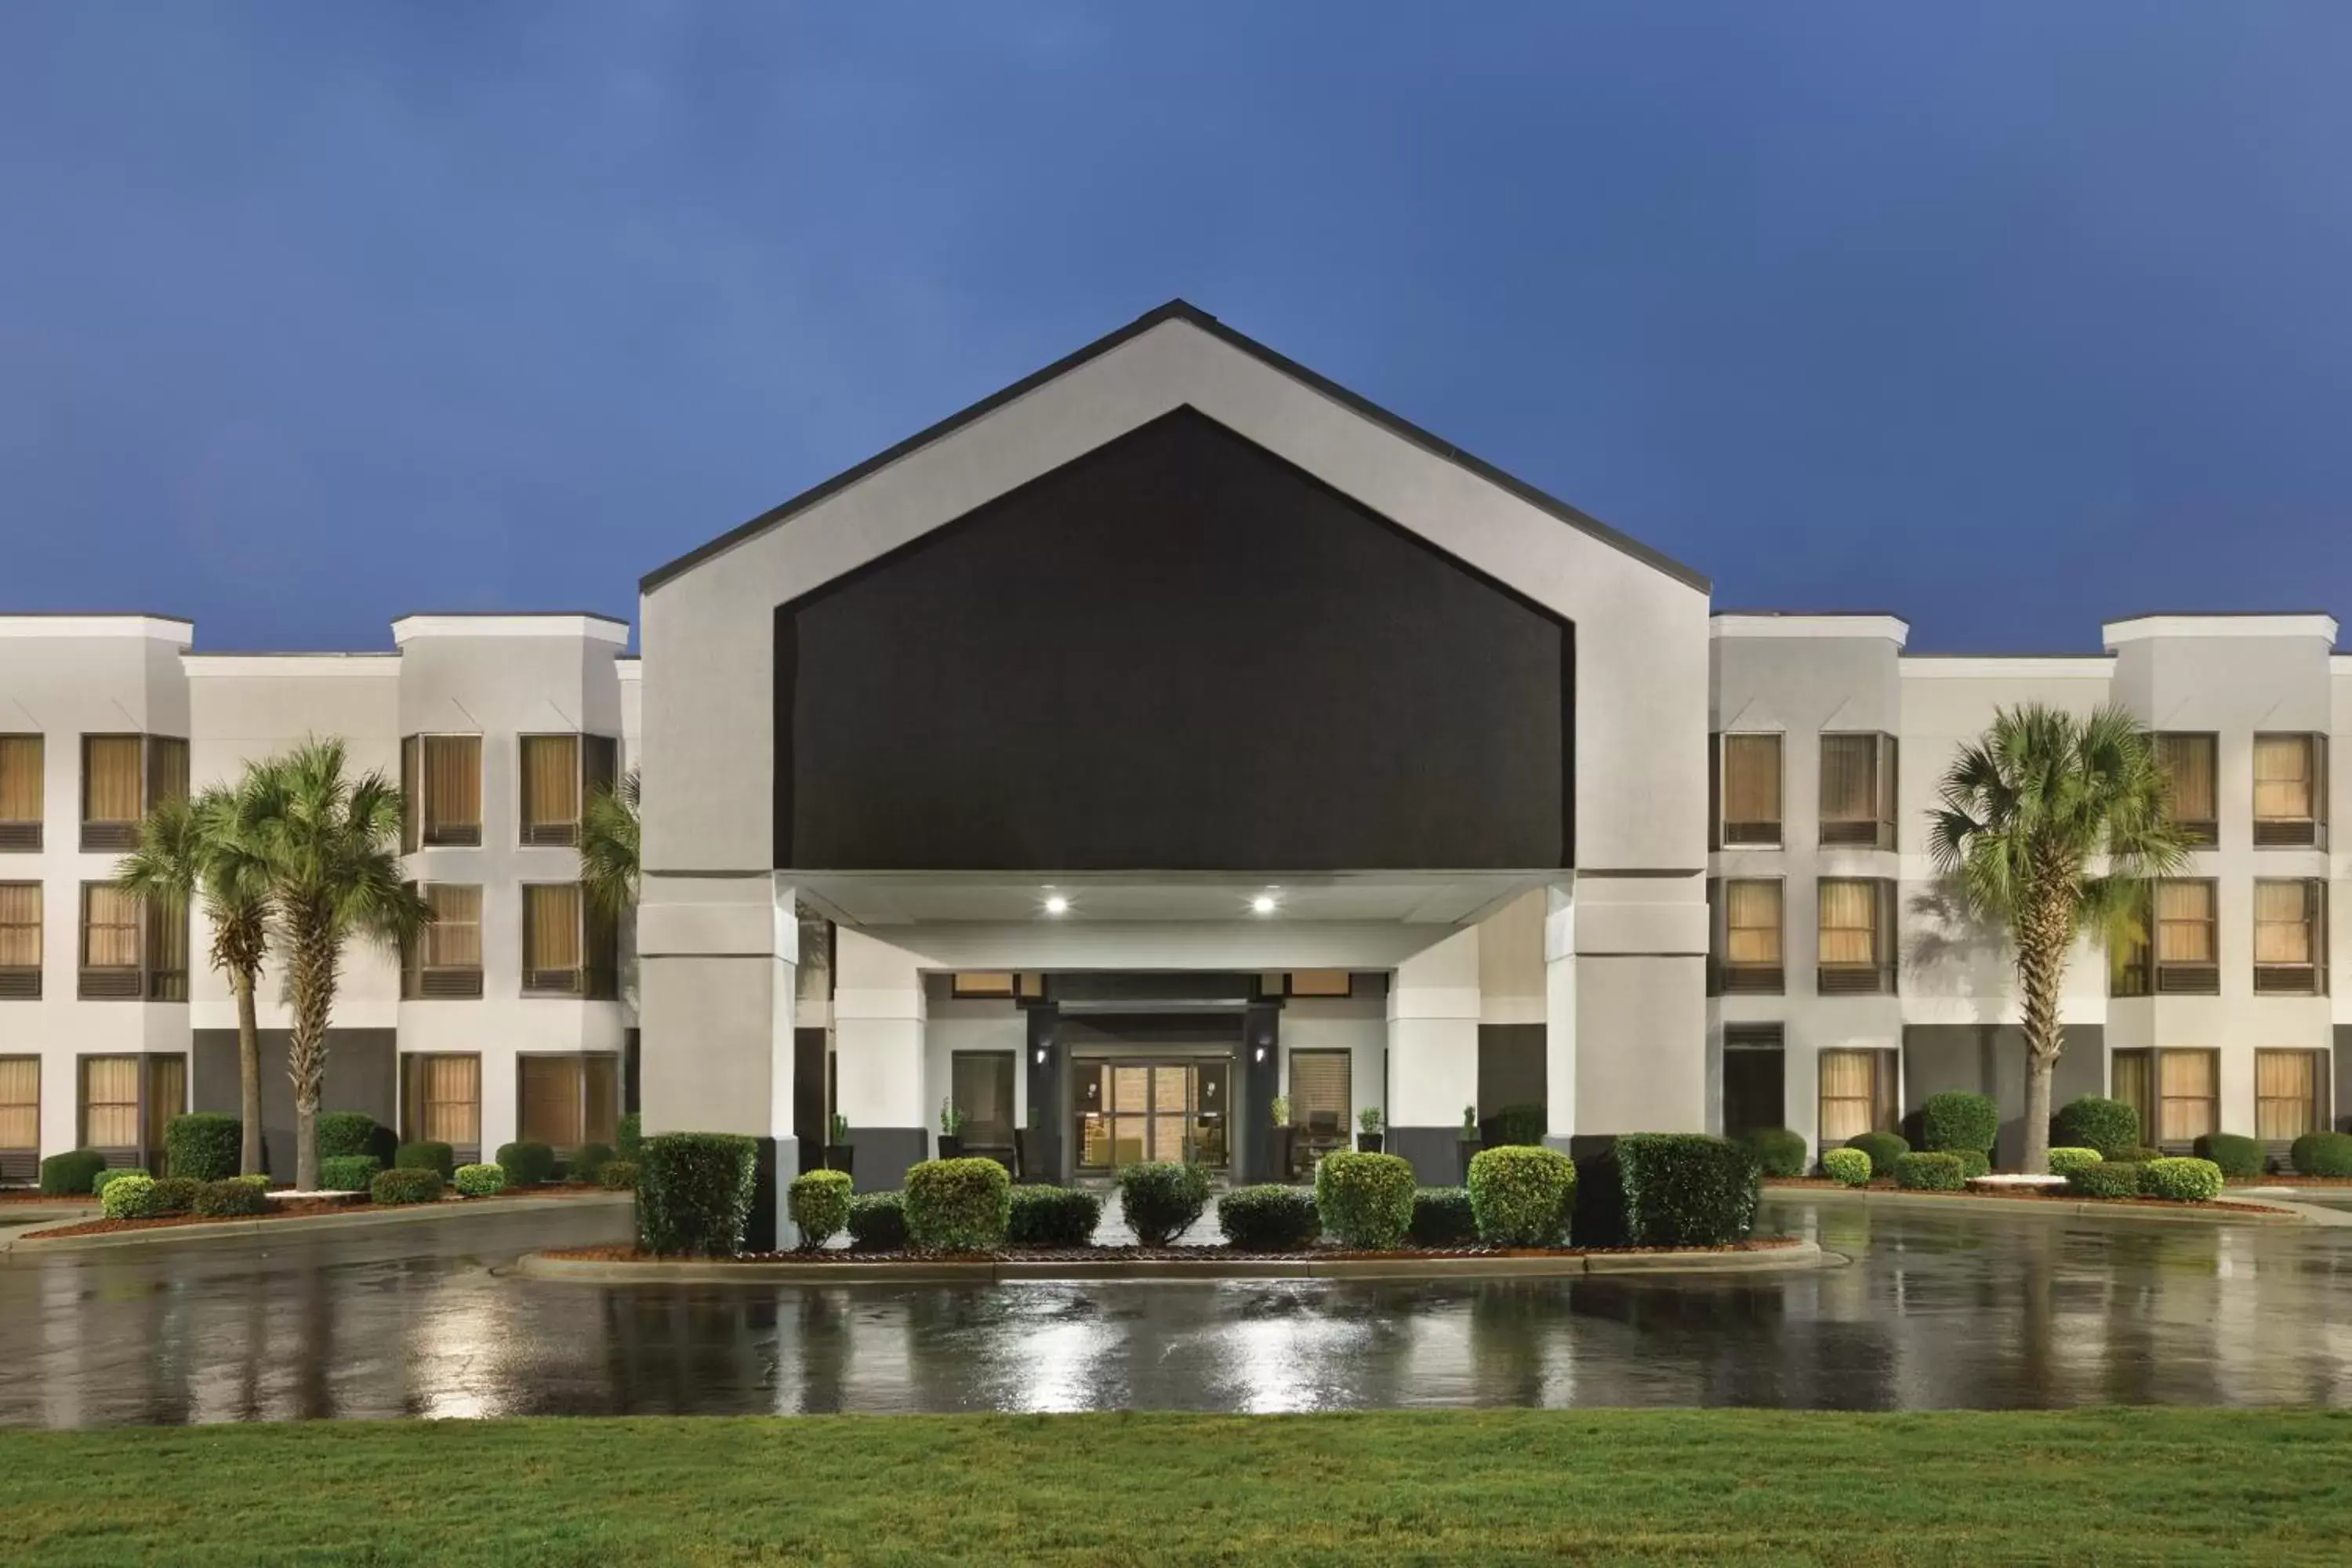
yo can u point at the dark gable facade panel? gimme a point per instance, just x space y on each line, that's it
1177 653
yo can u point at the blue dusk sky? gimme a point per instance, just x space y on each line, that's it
2005 317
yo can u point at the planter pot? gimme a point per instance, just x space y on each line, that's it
840 1157
1036 1149
1278 1153
950 1146
1368 1143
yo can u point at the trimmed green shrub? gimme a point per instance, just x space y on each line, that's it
438 1158
1931 1171
1847 1167
1269 1218
107 1178
527 1164
2094 1123
2190 1181
1775 1151
619 1176
1442 1217
693 1193
1042 1216
406 1184
2313 1155
818 1203
171 1197
1884 1149
347 1135
349 1172
231 1198
71 1174
2107 1179
2235 1155
592 1158
126 1198
2064 1161
480 1181
1162 1199
1366 1200
1516 1124
629 1139
203 1146
1954 1121
1666 1189
878 1222
958 1205
1973 1162
1523 1197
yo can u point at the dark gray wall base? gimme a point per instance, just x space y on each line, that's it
1511 1069
1435 1154
1989 1059
772 1170
2343 1076
885 1155
362 1074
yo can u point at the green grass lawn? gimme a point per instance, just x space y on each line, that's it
1473 1487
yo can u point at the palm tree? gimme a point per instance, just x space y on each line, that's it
332 846
204 849
2051 825
609 831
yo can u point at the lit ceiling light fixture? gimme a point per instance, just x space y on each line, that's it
1264 903
1056 905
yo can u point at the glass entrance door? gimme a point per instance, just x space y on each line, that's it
1130 1111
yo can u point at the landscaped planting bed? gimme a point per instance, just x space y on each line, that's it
1332 1253
283 1205
2057 1195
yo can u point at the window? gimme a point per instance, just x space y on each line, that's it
2189 763
2290 791
1752 1079
566 1102
983 1090
1857 936
1751 938
1858 790
559 773
2287 1098
1857 1094
2131 957
970 986
20 940
2187 961
1318 983
2290 937
167 1097
123 778
1749 783
20 792
1322 1096
20 1117
2134 1082
569 948
2189 1104
444 959
441 1102
441 791
109 1102
110 943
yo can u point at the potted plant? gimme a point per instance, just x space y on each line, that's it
838 1154
1368 1131
1035 1147
1467 1146
1277 1140
950 1131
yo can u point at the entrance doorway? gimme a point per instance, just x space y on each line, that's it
1129 1109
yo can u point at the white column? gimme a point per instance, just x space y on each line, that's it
1433 1053
878 1033
1560 1011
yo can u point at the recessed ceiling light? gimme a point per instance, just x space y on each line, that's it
1263 903
1057 905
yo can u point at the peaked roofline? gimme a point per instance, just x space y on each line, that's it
1179 310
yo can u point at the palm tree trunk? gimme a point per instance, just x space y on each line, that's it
248 1072
311 988
2042 944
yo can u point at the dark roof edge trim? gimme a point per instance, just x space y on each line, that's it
1178 310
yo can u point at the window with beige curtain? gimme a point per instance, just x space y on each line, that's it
2284 926
166 952
167 1097
2134 1076
20 925
1321 983
2284 777
1320 1087
110 767
2189 763
20 1104
20 778
454 939
1852 1095
550 1109
550 936
109 1102
1751 789
2188 1095
1849 921
2184 922
550 789
977 985
600 1099
449 789
109 927
1849 778
167 769
445 1101
1752 913
2287 1094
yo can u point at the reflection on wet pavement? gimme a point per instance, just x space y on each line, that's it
1935 1310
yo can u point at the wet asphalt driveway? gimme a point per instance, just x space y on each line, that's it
1935 1310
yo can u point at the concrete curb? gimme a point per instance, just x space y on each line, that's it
1799 1254
2085 1208
362 1218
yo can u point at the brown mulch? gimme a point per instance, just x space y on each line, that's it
2059 1196
35 1198
277 1211
2287 1180
1149 1254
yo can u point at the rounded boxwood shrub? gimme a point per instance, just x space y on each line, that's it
349 1172
1045 1215
1973 1162
406 1184
1269 1218
1930 1171
126 1197
1366 1200
107 1178
1777 1151
2313 1155
203 1146
231 1197
878 1222
2181 1181
1442 1217
1523 1196
1884 1149
1162 1199
2107 1179
1666 1189
2235 1155
1954 1121
1517 1124
438 1158
618 1176
2093 1121
2064 1161
693 1193
818 1203
1847 1167
171 1197
527 1164
71 1174
590 1159
480 1181
958 1205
